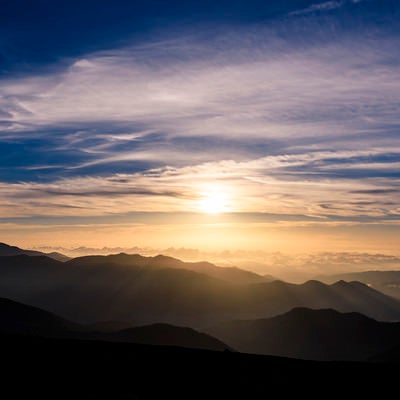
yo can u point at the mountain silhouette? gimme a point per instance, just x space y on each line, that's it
387 282
391 356
278 297
87 291
24 319
229 274
109 326
17 318
168 335
6 250
311 334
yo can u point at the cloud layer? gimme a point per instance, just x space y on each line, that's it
285 118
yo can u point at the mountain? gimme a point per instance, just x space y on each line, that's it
387 282
17 318
168 335
57 256
23 319
228 274
108 326
391 356
278 297
311 334
6 250
87 291
111 291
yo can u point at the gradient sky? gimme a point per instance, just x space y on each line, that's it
120 119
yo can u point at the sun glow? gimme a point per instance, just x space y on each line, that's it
214 203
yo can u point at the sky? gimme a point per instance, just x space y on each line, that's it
214 125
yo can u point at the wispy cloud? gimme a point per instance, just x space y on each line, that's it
188 103
285 184
303 127
285 93
328 5
324 6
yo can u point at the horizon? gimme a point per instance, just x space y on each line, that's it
295 268
220 127
191 183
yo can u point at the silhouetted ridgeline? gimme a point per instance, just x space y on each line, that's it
17 318
142 290
300 333
311 334
6 250
387 282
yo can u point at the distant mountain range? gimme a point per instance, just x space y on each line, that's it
7 250
315 335
387 282
148 290
228 274
17 318
147 300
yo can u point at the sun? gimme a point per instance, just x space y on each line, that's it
214 203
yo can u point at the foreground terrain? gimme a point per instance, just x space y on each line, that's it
78 369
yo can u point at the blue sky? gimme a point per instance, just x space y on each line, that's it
126 111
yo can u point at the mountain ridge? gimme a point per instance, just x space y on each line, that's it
387 282
23 319
324 335
229 274
87 291
7 250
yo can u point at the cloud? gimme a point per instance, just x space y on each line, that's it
302 126
283 185
325 6
274 93
182 103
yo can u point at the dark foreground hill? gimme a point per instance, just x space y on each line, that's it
77 369
17 318
168 335
20 318
388 356
311 334
103 291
